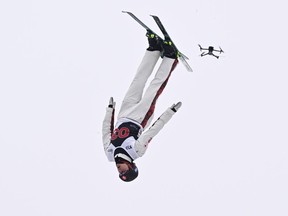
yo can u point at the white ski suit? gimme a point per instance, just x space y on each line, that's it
129 139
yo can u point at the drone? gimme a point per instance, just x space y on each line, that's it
210 50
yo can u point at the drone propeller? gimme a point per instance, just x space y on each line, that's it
221 50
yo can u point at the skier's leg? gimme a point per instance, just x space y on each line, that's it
156 87
135 91
143 111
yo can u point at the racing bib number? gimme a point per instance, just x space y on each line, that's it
120 133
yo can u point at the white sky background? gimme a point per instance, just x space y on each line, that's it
224 153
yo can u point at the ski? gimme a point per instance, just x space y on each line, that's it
182 57
141 23
165 33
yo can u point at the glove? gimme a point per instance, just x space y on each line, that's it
112 103
176 107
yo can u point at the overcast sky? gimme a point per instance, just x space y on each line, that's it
223 154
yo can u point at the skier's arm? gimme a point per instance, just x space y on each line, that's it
143 141
108 124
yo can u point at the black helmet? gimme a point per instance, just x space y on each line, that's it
129 175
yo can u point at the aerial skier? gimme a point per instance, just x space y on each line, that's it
130 137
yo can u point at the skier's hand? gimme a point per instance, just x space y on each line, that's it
111 103
176 107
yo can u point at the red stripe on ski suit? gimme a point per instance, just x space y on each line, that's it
160 90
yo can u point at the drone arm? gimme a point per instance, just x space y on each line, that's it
215 56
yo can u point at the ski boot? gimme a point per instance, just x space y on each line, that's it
154 42
169 50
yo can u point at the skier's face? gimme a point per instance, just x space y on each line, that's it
122 167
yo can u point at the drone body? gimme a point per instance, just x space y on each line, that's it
210 51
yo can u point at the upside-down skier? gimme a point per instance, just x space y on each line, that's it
130 137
